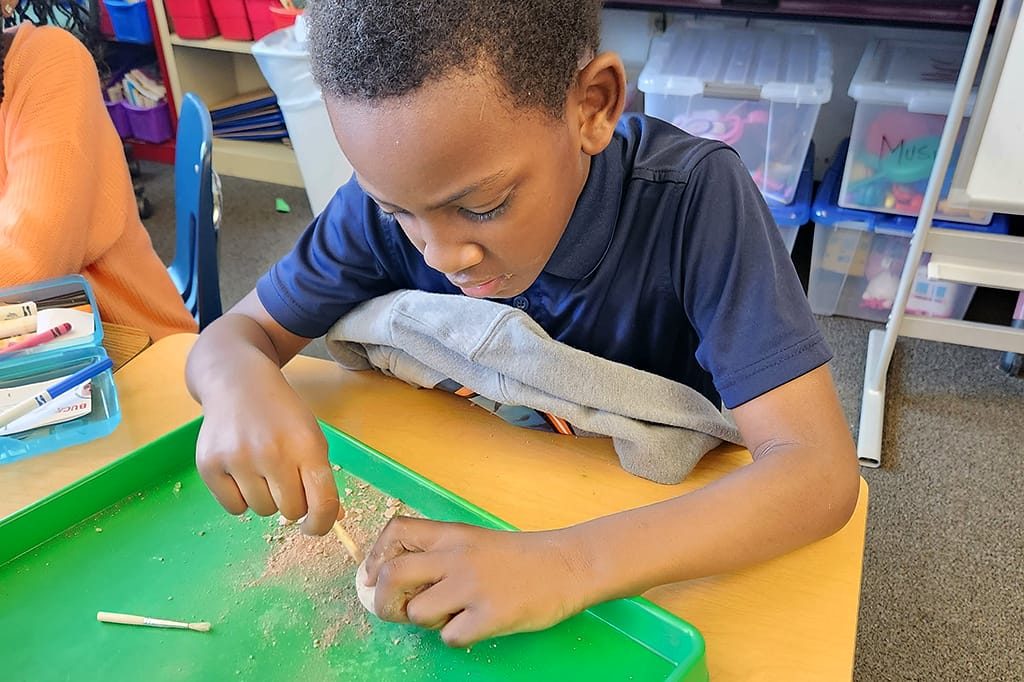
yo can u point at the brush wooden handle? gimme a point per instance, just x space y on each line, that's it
128 619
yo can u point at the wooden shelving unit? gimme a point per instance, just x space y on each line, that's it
216 69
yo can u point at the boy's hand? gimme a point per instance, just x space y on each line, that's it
268 454
474 583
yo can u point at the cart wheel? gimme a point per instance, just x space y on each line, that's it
145 207
1012 363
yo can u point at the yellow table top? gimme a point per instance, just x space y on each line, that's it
792 618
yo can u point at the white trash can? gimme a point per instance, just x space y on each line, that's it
284 60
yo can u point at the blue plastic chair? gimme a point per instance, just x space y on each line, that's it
194 268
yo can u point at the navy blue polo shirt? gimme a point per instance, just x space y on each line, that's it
671 263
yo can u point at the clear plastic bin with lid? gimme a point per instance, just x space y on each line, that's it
858 257
903 91
758 90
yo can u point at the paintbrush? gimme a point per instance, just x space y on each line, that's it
126 619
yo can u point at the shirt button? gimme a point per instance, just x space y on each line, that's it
521 302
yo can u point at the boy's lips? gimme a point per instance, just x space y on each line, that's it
482 288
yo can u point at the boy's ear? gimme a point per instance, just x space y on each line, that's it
600 95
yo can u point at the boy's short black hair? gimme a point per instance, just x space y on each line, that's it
378 49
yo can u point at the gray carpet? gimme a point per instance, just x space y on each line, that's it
943 592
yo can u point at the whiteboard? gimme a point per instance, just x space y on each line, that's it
994 178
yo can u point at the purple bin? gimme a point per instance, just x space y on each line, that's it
120 118
150 125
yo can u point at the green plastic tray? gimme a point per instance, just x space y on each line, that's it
169 551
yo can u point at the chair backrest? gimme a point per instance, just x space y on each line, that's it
194 268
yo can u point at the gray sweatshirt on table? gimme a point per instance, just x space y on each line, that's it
660 428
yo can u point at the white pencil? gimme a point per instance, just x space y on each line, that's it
126 619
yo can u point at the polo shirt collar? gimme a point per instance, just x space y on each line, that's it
592 225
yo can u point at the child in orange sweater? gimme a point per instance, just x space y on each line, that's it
66 198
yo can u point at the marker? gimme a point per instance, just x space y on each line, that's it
46 395
37 339
16 319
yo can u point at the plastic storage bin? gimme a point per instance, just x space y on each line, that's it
260 19
105 25
284 61
758 90
858 257
150 125
790 217
232 19
903 91
59 300
119 115
283 17
192 19
130 21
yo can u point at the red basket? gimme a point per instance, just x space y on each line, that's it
232 19
260 18
192 19
282 16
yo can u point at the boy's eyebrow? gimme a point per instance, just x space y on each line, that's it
466 191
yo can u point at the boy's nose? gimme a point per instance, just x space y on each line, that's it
452 258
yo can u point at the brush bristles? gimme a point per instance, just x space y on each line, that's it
199 627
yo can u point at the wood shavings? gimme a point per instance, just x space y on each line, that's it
321 569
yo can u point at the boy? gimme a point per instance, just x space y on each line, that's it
490 160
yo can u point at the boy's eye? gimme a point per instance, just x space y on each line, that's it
390 214
487 215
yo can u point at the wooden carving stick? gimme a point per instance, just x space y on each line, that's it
126 619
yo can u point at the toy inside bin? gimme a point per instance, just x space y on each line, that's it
858 257
758 90
130 21
790 217
903 91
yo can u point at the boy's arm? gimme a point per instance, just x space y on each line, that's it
259 447
802 486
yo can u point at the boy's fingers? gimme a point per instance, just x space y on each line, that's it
225 491
402 578
256 493
402 534
321 494
465 629
286 488
436 606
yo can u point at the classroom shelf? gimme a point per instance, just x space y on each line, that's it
217 69
148 151
265 161
958 13
216 43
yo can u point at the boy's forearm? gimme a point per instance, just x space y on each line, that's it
233 346
775 505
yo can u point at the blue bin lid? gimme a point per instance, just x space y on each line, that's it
798 211
827 211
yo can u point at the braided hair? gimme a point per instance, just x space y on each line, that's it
80 17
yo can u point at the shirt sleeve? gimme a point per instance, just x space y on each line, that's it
337 263
739 288
51 151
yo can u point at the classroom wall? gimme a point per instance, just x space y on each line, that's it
629 32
